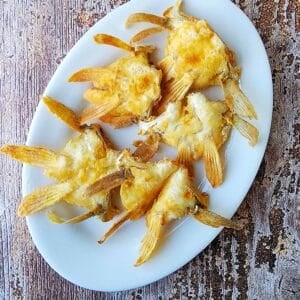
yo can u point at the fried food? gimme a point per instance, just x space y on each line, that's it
86 157
140 185
130 90
163 191
124 91
195 58
198 130
176 200
63 113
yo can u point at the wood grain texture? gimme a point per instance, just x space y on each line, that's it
260 262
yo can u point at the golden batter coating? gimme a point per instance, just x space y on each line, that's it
176 200
86 157
83 160
195 58
163 191
140 185
198 130
124 91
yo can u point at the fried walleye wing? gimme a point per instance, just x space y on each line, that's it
124 91
164 192
140 185
86 157
198 130
176 200
195 57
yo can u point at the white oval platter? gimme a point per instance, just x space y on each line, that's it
72 250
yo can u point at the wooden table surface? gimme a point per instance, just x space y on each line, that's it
259 262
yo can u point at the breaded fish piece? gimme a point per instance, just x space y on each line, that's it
85 158
195 58
163 191
176 200
198 130
140 185
124 91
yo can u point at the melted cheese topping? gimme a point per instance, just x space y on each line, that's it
87 175
197 49
175 199
147 183
134 81
84 160
191 126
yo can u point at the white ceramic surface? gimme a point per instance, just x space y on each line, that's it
72 250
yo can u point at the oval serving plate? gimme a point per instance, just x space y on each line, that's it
72 250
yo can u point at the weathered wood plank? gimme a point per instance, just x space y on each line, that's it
262 261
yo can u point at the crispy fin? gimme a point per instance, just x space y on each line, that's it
211 219
110 211
246 129
44 197
147 149
62 112
178 5
119 121
126 160
237 101
166 66
145 34
116 42
202 198
116 226
148 49
113 41
144 17
176 12
108 182
150 240
36 156
185 158
213 165
90 75
175 90
98 110
103 136
54 218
